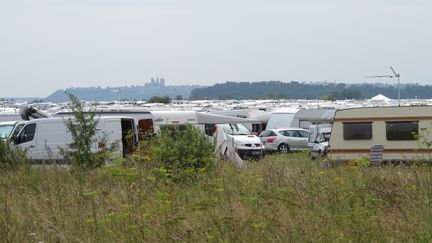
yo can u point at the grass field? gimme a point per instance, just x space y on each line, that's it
283 198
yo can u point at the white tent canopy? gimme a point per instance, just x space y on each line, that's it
380 97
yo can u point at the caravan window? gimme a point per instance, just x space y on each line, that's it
402 130
357 130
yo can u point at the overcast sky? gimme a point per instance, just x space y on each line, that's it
46 45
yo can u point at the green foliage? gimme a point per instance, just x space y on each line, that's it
362 161
160 99
283 198
11 156
346 94
37 101
292 90
178 154
179 97
82 128
327 97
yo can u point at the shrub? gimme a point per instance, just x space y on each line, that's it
160 99
178 154
11 156
362 161
82 128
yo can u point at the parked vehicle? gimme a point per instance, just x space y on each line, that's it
243 140
142 118
319 144
45 138
6 129
404 132
285 140
17 128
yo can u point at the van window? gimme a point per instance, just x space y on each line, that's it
28 133
209 129
406 130
5 130
357 130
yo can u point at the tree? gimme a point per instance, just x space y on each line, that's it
159 99
179 97
82 127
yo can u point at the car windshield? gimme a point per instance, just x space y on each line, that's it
236 129
326 136
5 130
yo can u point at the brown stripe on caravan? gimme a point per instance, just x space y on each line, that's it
388 150
371 119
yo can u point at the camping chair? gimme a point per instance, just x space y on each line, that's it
376 153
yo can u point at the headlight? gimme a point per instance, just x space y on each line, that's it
238 143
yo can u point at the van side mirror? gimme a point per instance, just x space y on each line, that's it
316 142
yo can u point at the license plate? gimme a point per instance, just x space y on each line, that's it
256 152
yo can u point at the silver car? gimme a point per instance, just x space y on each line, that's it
285 140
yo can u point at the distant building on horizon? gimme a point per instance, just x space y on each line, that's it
156 83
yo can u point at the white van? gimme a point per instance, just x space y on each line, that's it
6 129
319 144
243 140
44 138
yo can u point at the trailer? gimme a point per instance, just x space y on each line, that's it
401 134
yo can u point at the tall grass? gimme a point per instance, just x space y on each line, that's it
284 198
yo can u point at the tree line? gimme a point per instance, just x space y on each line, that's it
307 90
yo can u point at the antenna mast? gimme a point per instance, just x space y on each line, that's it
396 75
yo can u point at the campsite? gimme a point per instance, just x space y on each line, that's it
215 121
187 174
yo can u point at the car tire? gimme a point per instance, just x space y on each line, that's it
283 148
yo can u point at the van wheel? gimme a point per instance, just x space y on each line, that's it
311 157
283 148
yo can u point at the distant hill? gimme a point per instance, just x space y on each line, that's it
125 93
307 90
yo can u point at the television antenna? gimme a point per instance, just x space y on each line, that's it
395 75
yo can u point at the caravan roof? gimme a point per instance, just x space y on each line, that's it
194 117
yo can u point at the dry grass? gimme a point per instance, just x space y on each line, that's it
284 198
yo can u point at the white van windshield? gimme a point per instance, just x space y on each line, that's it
5 130
236 129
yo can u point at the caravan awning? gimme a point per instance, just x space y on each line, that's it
206 118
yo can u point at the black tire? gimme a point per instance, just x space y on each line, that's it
283 148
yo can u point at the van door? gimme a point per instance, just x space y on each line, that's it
128 136
26 140
145 127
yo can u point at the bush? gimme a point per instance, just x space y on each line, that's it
159 99
83 129
11 156
178 154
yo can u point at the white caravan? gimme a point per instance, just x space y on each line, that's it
43 139
204 121
281 118
402 131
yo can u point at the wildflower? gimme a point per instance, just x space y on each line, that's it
321 173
